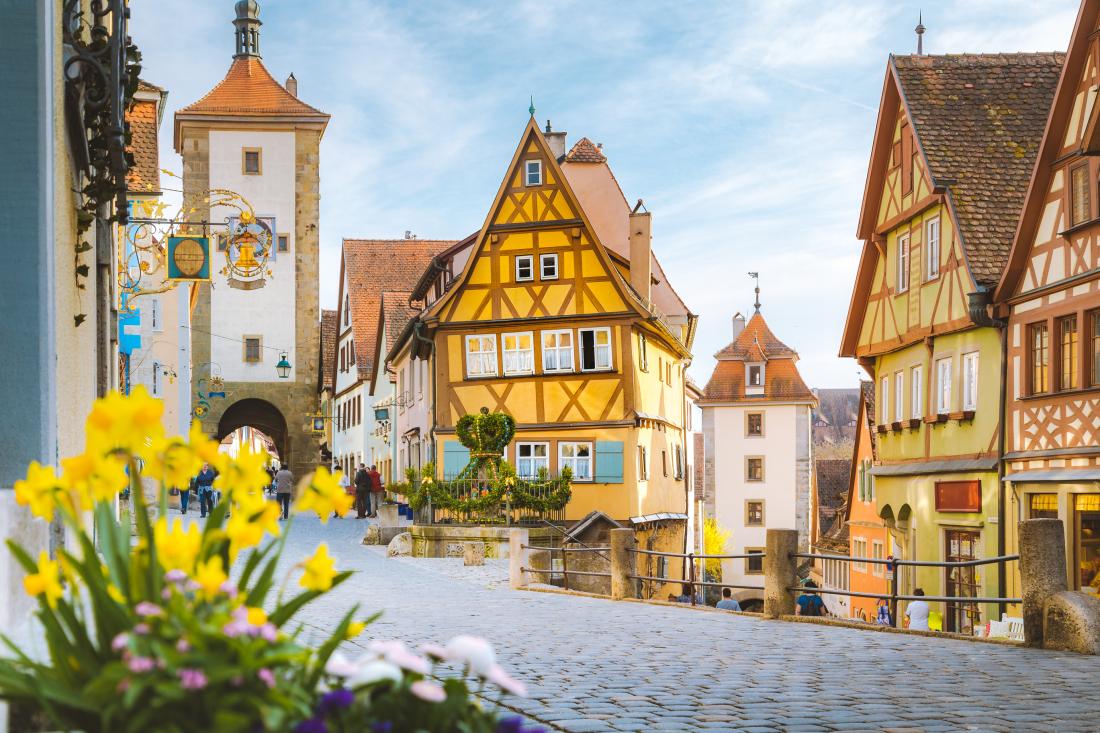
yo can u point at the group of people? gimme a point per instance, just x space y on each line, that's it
367 489
202 484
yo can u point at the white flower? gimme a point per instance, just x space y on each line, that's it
374 671
435 651
428 691
395 652
474 652
506 682
339 666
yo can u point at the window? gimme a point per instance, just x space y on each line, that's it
662 567
756 375
557 351
548 267
534 173
754 424
884 398
664 463
678 462
347 309
481 356
903 263
1079 195
1040 358
878 550
351 353
531 458
943 386
283 241
343 359
1095 318
899 396
1067 352
578 458
643 464
754 513
156 379
519 353
595 349
1043 506
932 249
525 268
643 353
859 549
754 468
754 565
252 345
916 396
154 314
668 374
251 162
970 381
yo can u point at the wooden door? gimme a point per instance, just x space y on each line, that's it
1086 541
961 545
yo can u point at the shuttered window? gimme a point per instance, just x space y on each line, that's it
1067 331
1040 358
1079 194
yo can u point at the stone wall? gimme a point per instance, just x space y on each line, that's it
441 540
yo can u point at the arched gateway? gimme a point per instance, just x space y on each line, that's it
258 414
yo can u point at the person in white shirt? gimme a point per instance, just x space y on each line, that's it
916 615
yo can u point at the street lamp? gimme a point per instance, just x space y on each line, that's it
283 367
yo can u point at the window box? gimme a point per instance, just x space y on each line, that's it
932 419
895 426
913 423
880 428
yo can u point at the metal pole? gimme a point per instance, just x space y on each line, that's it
564 566
691 576
893 568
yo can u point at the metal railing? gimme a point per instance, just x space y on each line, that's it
691 582
565 572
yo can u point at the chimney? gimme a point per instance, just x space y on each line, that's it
292 85
738 325
641 264
555 141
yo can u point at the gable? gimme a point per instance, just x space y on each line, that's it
532 221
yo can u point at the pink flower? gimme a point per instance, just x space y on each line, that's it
267 677
145 608
428 691
166 594
229 588
435 651
192 679
141 629
123 685
339 666
236 628
183 646
407 660
268 632
175 575
506 682
139 665
120 641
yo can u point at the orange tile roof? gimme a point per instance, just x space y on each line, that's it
248 89
756 342
144 175
330 325
373 267
585 151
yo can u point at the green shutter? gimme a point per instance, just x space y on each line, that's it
609 462
455 458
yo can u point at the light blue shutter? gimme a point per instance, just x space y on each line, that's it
455 458
609 462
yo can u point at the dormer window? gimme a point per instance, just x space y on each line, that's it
533 175
754 379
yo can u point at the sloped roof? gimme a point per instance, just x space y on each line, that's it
330 324
396 313
372 267
832 478
144 175
585 151
248 89
867 391
979 120
756 343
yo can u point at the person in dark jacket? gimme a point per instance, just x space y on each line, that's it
362 492
204 482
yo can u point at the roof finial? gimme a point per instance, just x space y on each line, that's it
531 109
756 276
920 33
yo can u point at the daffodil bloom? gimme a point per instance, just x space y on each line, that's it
243 533
39 490
172 462
256 616
323 494
355 628
177 550
94 475
319 570
46 582
246 474
210 575
206 449
115 593
125 423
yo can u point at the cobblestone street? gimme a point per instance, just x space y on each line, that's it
596 665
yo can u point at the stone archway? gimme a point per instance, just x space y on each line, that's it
259 414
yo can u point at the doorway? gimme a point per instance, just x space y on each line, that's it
961 545
1086 541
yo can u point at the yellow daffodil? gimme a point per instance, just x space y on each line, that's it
355 628
322 493
256 616
205 448
46 582
177 550
115 593
246 474
125 423
94 476
243 533
210 576
172 462
319 570
39 490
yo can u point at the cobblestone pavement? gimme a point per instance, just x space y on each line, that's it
598 665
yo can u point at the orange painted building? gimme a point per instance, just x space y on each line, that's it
867 535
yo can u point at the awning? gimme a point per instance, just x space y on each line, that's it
947 466
1067 475
662 517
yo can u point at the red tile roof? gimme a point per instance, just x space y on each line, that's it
585 151
756 343
144 175
249 89
372 267
396 313
330 324
979 119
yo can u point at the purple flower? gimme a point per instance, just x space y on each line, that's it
313 725
175 575
141 629
235 628
267 677
382 726
229 588
183 646
337 699
192 679
145 608
120 641
268 632
511 724
139 665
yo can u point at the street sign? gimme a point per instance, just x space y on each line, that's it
188 259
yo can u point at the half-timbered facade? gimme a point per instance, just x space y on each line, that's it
954 145
1051 293
543 320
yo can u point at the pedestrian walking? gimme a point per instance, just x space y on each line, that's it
362 492
810 603
377 490
204 482
284 485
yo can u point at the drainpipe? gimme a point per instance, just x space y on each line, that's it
431 402
980 308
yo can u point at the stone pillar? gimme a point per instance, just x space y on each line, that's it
780 572
518 558
623 564
1042 571
473 553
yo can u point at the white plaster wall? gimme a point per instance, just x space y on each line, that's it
416 413
268 311
349 440
377 448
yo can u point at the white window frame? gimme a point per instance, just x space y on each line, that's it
527 261
970 381
916 390
482 355
943 385
558 351
859 549
596 348
525 356
574 461
533 462
884 397
899 396
878 552
748 376
156 320
903 263
529 167
932 249
551 260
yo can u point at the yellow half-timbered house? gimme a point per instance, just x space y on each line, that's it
542 320
954 146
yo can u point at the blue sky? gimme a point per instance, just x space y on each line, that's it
745 126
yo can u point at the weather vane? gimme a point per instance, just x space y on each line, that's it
756 276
